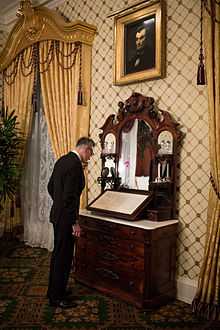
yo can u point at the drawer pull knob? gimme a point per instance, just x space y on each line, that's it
107 273
108 256
83 233
106 239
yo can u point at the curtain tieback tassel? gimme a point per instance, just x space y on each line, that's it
80 97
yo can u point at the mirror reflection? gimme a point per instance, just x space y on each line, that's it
136 155
109 144
110 165
165 140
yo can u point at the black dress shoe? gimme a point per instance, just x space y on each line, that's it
62 303
68 293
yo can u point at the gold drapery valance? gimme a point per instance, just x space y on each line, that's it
37 24
65 58
31 60
27 65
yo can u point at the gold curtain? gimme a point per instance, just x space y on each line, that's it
63 67
18 87
206 301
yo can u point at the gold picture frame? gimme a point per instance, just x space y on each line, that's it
140 44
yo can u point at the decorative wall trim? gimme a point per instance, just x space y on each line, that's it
186 289
40 23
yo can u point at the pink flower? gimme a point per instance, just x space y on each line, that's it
126 163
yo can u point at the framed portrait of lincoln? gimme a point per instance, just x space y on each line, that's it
139 44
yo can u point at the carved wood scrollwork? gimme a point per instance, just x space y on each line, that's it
140 106
33 24
138 103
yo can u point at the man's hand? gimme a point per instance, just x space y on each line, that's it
76 230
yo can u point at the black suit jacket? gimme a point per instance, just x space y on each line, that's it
65 187
139 61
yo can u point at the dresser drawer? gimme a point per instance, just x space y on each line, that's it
97 224
117 246
114 229
129 256
115 262
130 282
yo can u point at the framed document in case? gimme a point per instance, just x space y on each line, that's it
120 204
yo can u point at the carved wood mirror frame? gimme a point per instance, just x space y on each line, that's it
165 136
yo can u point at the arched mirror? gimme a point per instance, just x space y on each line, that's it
136 155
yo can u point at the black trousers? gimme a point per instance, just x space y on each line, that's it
61 260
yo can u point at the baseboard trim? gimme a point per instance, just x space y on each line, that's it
186 289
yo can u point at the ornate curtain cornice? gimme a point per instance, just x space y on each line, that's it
36 24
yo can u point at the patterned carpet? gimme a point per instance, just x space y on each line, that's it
23 285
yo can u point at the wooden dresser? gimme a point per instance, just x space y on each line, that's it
133 261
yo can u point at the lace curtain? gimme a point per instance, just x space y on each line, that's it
36 203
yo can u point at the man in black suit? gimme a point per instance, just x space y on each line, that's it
143 57
65 187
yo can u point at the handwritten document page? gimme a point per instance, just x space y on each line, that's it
119 201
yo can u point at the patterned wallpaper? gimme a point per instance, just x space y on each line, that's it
177 93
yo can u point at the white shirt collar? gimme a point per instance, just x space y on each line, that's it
75 152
